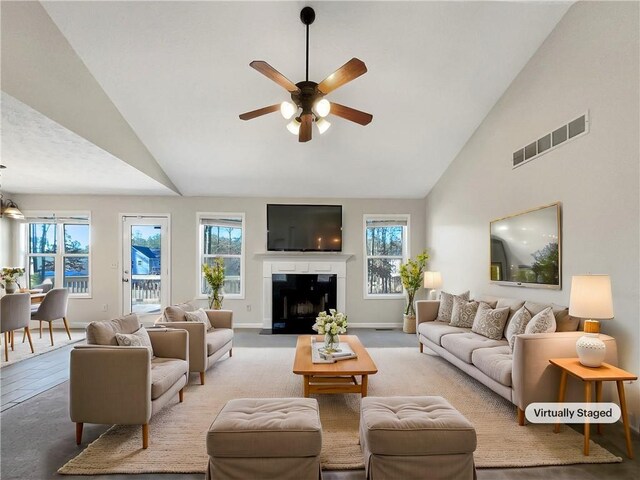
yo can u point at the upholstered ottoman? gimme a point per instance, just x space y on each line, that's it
415 437
266 438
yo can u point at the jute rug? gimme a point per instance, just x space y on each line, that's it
40 345
177 434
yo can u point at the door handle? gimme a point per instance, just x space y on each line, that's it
125 280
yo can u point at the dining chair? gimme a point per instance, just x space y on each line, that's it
53 307
14 314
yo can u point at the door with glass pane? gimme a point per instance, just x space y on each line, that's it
145 265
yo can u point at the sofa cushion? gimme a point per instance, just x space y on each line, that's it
139 338
462 345
495 363
489 322
218 338
564 321
463 313
266 428
445 309
543 322
517 325
165 372
488 299
104 332
175 313
198 316
418 426
435 330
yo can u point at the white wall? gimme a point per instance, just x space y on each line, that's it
6 242
589 62
106 249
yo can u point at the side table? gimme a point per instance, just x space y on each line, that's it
603 373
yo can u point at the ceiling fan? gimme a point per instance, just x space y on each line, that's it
309 105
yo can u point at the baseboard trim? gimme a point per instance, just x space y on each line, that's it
375 325
81 325
247 325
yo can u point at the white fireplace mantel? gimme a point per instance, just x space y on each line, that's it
301 263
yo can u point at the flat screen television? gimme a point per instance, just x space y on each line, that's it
304 228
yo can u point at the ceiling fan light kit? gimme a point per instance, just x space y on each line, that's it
309 105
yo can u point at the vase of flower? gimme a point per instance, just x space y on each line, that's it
9 276
331 325
10 286
214 276
411 276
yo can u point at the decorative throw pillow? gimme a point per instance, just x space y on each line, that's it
139 338
489 322
463 312
517 325
445 309
198 316
543 322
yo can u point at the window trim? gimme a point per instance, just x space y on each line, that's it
406 252
199 253
60 254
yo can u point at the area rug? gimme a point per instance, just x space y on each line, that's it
40 345
178 433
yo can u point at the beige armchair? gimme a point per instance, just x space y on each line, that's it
206 347
111 384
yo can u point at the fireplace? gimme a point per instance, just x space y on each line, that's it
323 279
298 298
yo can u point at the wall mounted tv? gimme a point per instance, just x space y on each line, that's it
304 228
526 248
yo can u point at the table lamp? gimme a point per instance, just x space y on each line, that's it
591 299
432 280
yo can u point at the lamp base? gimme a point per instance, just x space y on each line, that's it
591 350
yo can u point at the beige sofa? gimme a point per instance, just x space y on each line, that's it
523 376
111 384
206 347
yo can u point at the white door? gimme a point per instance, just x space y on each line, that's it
145 264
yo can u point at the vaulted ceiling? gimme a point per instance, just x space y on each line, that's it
172 78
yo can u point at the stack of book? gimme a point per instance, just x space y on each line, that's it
320 356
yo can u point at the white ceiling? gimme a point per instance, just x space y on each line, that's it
42 156
178 72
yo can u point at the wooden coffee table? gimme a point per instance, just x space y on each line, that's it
339 377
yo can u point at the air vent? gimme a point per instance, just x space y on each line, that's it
550 141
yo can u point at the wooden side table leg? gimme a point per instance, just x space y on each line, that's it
587 399
365 384
561 393
625 418
305 383
599 399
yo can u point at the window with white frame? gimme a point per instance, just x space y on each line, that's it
386 240
58 251
222 235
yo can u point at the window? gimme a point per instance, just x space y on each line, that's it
63 263
386 239
222 235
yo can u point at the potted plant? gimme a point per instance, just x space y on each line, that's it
9 276
411 276
214 275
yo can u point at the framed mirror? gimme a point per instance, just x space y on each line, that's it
526 249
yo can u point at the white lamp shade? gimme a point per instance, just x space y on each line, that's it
323 125
432 280
323 107
287 109
591 297
294 126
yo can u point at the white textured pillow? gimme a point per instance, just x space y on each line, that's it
139 338
463 312
517 325
445 310
198 316
543 322
489 322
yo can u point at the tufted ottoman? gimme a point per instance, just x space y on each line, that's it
415 437
266 438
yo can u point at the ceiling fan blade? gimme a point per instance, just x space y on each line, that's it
349 71
305 128
271 73
259 112
351 114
